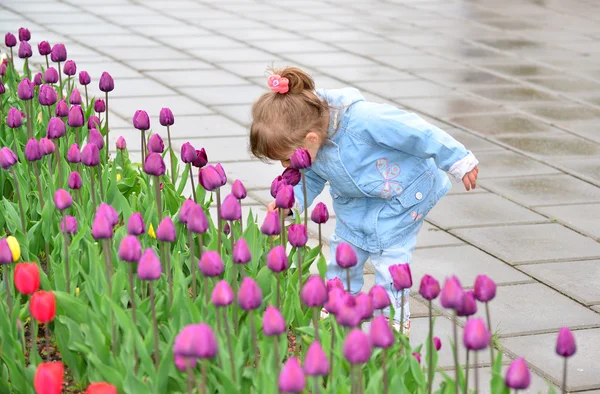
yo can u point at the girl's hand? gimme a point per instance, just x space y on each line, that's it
272 207
470 179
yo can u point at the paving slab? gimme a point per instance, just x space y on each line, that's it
472 142
240 94
371 73
561 113
462 78
405 89
168 66
503 123
228 55
237 148
587 168
479 209
539 351
518 244
144 53
126 107
432 236
237 112
498 164
246 171
193 78
581 217
553 145
186 127
450 106
134 87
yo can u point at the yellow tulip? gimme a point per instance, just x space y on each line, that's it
118 177
39 118
13 244
77 291
151 232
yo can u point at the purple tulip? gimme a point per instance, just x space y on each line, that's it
130 249
99 106
381 334
25 89
210 264
452 294
273 322
84 78
156 144
47 95
75 98
90 155
231 208
110 213
74 181
196 341
297 235
364 306
37 79
58 53
14 118
271 225
314 293
106 84
316 362
291 176
121 143
62 109
6 256
44 48
320 214
469 305
285 197
185 210
357 347
429 288
250 295
485 288
518 376
188 153
335 300
95 137
241 252
70 68
565 343
10 40
25 50
51 75
417 357
135 224
76 118
276 185
33 150
154 164
476 335
7 158
141 120
56 128
47 146
345 255
73 154
93 122
24 34
222 295
333 283
277 259
102 227
291 378
401 276
166 117
149 266
348 315
210 178
201 158
166 230
182 363
437 342
238 190
379 297
197 221
300 159
68 225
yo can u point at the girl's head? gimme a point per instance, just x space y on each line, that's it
284 120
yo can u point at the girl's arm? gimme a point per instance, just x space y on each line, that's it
314 186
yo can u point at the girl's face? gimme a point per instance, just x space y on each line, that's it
312 143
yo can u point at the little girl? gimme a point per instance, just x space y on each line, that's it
385 168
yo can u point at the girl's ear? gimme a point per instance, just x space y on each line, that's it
313 138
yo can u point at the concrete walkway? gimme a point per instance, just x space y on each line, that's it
518 82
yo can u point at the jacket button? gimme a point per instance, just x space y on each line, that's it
419 195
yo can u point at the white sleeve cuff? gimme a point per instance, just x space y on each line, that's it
463 166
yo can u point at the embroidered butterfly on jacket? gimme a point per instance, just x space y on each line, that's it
416 216
389 173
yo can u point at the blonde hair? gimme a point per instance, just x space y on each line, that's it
280 122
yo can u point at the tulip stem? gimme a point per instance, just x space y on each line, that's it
60 92
58 164
101 183
254 341
359 387
317 381
348 280
300 284
476 368
47 62
192 264
27 71
229 344
190 375
6 272
320 240
173 172
108 267
402 300
489 323
385 374
278 276
15 142
87 101
154 327
204 379
132 300
283 242
67 273
18 194
39 185
158 199
169 274
193 186
106 125
564 383
28 111
77 139
93 189
455 350
467 373
219 223
430 350
353 379
33 337
331 350
316 323
306 206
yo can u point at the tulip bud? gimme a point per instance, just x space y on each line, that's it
14 246
452 293
14 118
141 121
315 362
429 288
106 84
51 75
25 89
75 98
70 68
565 343
44 48
285 197
241 252
273 322
476 335
333 283
314 292
381 334
101 388
62 109
166 230
68 225
222 295
90 155
231 209
96 138
469 305
135 224
210 264
182 363
121 144
518 376
250 295
197 341
6 256
364 306
156 144
320 214
10 40
76 118
188 153
238 190
210 178
197 221
93 122
291 176
3 65
154 165
110 213
47 95
300 159
297 235
348 314
335 300
25 51
379 297
149 266
130 249
62 199
37 79
99 106
291 378
401 276
276 185
201 158
33 150
7 158
357 347
166 117
49 378
102 227
56 128
485 288
185 210
84 78
27 278
345 255
43 306
271 225
58 53
417 357
437 342
73 154
24 34
277 259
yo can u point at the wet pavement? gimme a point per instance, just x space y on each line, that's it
518 82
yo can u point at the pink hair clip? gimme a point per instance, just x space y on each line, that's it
278 84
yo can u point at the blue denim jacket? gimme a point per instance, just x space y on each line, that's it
384 167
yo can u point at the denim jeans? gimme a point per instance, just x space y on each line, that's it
397 254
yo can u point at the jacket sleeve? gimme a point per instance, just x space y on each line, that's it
394 128
314 186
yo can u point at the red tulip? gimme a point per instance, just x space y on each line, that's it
27 278
43 306
101 388
48 378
